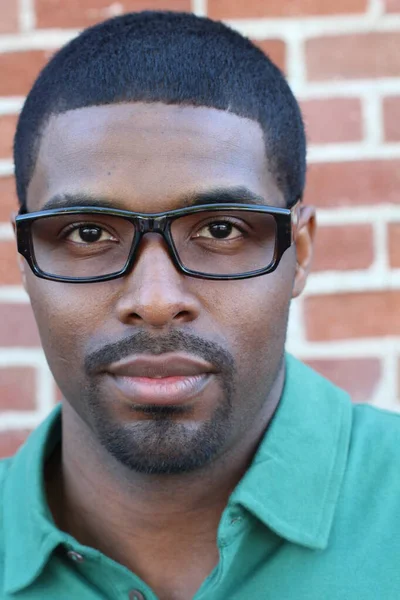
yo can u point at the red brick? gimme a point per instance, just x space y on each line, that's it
332 120
10 441
352 315
19 70
392 6
83 13
9 271
18 326
353 183
9 16
394 245
8 124
275 50
252 9
358 376
8 198
353 56
391 113
17 388
343 248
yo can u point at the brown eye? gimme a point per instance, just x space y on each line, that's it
219 230
88 234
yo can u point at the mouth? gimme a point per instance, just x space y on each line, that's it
165 380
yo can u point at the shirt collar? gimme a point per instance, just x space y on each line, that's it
294 481
30 531
291 486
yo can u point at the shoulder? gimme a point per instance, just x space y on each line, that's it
5 465
371 424
4 469
374 451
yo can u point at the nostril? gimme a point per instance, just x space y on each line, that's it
155 311
136 317
182 315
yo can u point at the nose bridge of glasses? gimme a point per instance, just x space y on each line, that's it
152 224
149 224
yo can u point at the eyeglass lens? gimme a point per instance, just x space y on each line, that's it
219 242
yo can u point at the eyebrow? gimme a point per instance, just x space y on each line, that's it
233 195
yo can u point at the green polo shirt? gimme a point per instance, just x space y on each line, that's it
316 516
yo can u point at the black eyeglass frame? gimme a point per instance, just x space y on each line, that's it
286 220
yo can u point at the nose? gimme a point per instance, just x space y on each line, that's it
155 292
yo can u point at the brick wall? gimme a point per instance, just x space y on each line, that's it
342 60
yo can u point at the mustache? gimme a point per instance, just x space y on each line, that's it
141 342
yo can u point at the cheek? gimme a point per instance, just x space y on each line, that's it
66 315
258 306
253 314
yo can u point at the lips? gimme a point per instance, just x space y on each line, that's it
166 379
162 366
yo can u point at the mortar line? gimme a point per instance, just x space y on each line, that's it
199 7
27 16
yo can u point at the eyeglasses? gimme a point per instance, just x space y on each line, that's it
212 241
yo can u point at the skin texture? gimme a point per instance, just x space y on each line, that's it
151 158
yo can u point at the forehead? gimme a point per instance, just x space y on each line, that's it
145 156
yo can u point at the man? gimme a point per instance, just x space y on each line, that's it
160 166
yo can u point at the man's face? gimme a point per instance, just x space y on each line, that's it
148 158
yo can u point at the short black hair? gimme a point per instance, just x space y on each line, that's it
174 58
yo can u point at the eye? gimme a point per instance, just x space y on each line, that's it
220 230
87 234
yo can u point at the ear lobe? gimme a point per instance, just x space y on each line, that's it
21 267
304 244
12 221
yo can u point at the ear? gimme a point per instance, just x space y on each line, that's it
21 262
304 243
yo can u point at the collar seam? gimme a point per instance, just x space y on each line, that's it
34 573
